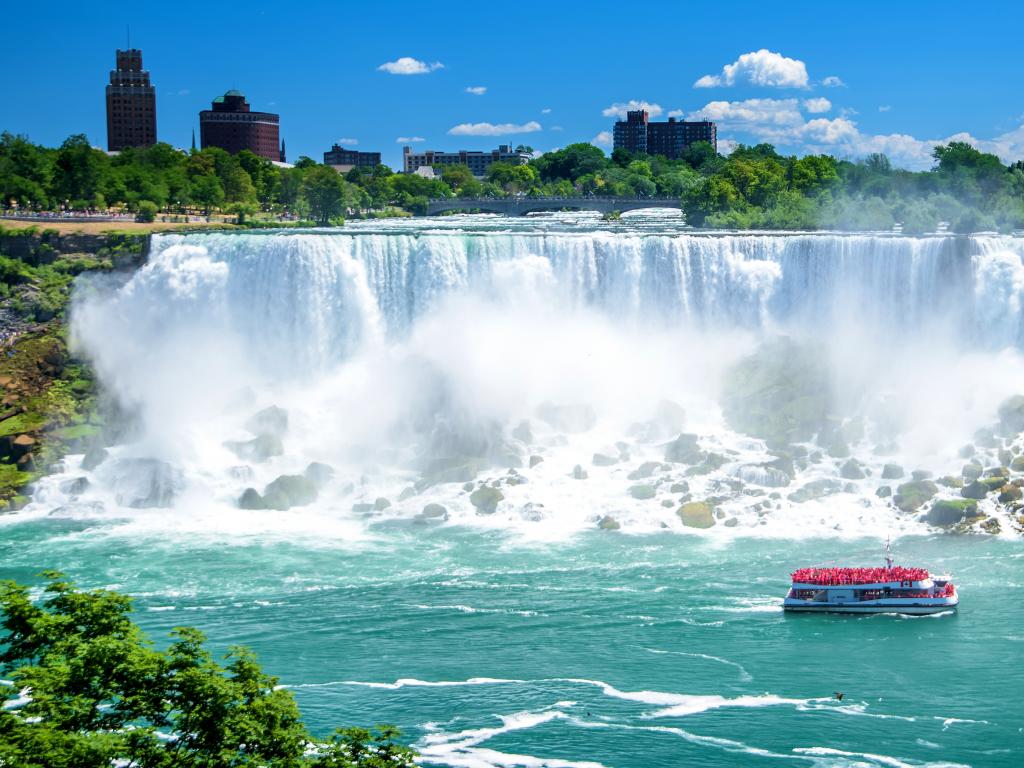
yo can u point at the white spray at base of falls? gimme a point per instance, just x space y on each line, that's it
386 347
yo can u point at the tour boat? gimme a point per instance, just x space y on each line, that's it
892 589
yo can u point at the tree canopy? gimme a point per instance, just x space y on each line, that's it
89 690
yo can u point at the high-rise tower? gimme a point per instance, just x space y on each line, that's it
131 104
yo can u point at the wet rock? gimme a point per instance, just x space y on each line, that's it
731 522
708 464
433 513
251 499
986 438
604 460
764 475
407 493
319 474
696 514
533 511
645 470
1005 457
683 450
642 492
145 483
1017 465
269 421
667 503
914 494
921 474
362 508
852 470
608 523
682 487
468 487
75 487
486 499
579 473
974 490
884 492
951 511
535 460
94 457
991 526
971 471
967 451
815 489
1007 494
523 432
381 504
257 450
242 472
451 469
997 472
568 418
1011 415
289 491
949 481
892 472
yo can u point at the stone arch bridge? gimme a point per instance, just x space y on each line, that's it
520 206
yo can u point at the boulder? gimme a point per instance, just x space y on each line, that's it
1011 415
251 499
645 470
815 489
407 493
971 471
708 464
535 460
914 494
486 499
433 513
892 472
75 487
974 490
95 456
604 460
579 473
145 483
289 491
683 450
921 474
257 450
696 514
608 523
523 433
682 487
269 421
1017 465
852 470
731 522
319 474
884 492
642 492
764 475
362 507
951 511
380 504
1010 493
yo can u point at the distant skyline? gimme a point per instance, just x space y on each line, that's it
809 77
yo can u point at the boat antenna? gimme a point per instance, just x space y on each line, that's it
888 554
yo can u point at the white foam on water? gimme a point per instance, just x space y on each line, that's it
744 675
873 759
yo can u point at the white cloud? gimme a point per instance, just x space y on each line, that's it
751 115
477 90
546 111
818 105
603 139
726 146
406 65
556 128
833 82
347 141
490 129
676 113
764 68
409 139
619 110
884 108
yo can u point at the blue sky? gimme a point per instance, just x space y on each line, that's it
846 78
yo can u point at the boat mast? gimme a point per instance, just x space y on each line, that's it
888 554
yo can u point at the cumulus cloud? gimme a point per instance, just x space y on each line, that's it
676 113
409 139
619 109
477 90
753 115
603 139
347 141
407 65
818 105
491 129
833 82
763 68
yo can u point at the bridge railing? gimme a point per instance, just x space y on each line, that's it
559 199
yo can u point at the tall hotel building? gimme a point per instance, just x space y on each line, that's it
131 104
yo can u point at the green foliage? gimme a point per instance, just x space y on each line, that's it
99 693
145 210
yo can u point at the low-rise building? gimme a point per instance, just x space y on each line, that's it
638 134
232 126
344 159
477 162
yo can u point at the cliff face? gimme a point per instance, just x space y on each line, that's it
48 399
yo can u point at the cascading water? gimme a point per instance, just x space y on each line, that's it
406 356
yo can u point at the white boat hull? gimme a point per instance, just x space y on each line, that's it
875 606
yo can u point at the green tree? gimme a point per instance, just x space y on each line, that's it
323 190
207 192
78 170
100 694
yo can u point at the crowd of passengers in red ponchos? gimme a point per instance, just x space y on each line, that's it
833 577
